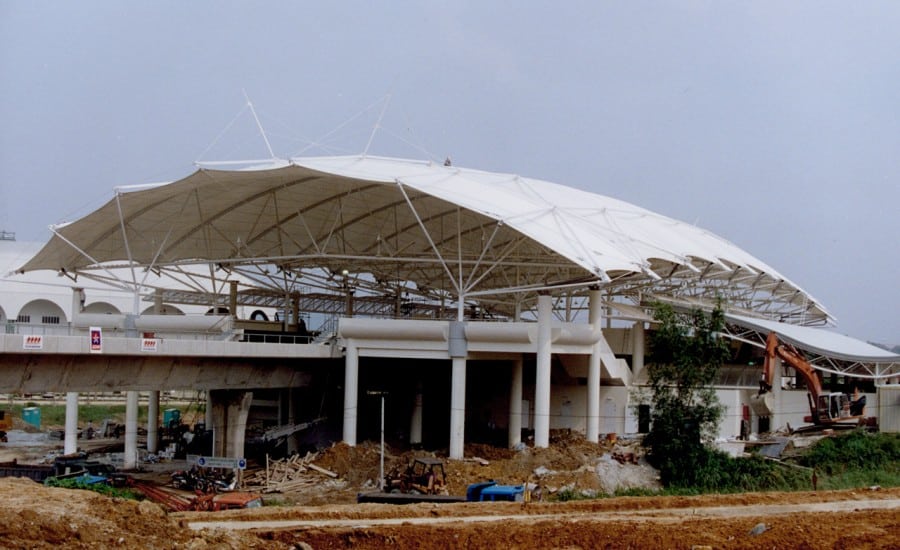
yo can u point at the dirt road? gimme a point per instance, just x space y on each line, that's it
844 519
662 515
34 516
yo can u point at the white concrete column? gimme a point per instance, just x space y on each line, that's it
236 417
131 430
595 318
415 423
71 437
515 404
457 407
638 345
542 376
153 421
351 393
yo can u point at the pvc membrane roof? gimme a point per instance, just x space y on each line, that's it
823 342
441 232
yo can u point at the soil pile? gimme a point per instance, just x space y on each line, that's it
34 516
570 463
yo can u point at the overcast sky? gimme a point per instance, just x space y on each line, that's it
773 124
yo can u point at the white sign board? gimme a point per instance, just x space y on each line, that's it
33 341
221 462
149 344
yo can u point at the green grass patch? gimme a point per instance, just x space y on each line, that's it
102 488
53 414
855 459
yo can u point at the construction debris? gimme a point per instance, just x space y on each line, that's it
286 474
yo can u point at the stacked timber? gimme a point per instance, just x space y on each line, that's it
287 474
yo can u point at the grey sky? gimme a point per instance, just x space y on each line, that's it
775 125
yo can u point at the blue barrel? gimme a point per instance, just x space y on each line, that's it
32 415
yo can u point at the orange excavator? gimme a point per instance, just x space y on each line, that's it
826 408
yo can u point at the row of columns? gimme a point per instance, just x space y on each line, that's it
542 385
70 442
226 415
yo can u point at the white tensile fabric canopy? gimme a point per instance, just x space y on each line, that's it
441 232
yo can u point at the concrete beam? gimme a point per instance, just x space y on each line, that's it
35 373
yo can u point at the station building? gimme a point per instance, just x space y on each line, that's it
480 306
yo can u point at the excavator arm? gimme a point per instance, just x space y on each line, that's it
825 408
790 355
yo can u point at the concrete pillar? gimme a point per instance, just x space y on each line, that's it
542 376
515 404
457 407
218 421
415 423
153 421
595 318
229 422
71 437
351 393
208 412
131 430
237 413
292 446
232 298
638 344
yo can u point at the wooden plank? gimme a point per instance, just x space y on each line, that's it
321 470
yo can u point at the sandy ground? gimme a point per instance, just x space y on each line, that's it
34 516
324 514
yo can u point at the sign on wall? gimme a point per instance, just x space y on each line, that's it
96 340
149 344
33 341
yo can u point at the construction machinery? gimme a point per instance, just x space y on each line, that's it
825 408
423 480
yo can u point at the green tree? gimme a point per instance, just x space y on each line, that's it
686 353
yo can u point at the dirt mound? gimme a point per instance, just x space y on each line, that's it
34 516
570 463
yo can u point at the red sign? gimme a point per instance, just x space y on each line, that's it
96 340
